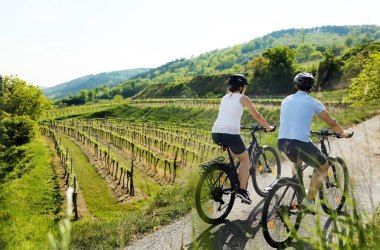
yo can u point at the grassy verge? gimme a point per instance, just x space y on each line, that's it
350 116
166 207
29 205
356 230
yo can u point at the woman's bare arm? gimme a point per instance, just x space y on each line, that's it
246 102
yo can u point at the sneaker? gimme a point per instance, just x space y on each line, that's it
244 196
308 207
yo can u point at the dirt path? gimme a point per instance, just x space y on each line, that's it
242 229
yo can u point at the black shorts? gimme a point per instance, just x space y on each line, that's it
234 142
305 151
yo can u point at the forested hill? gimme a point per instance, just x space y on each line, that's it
329 52
273 73
91 82
233 58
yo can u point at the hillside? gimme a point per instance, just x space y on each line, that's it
349 66
91 82
302 50
231 58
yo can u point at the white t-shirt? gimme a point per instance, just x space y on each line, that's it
297 112
229 116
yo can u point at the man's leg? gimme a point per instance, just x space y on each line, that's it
316 181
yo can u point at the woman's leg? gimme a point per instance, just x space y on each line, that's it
243 169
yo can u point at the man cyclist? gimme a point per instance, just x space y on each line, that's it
297 111
226 128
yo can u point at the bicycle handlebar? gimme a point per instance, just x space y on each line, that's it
325 132
256 127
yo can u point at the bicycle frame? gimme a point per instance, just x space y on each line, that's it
257 149
300 169
233 168
253 147
298 177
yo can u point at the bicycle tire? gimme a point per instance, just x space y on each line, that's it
264 171
215 195
277 209
334 190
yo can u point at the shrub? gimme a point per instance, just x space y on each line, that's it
17 130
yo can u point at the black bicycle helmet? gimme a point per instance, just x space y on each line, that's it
237 79
304 81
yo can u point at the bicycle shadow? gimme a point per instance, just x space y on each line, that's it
230 234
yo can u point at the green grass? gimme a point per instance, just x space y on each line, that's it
115 224
356 230
349 116
99 198
29 205
166 207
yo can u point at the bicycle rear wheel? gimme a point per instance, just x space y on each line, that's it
280 216
335 186
265 169
215 195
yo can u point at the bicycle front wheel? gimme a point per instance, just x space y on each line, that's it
215 195
280 216
265 169
335 186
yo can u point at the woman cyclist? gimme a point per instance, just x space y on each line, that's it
226 128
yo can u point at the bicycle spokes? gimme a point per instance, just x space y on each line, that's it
334 187
281 217
215 195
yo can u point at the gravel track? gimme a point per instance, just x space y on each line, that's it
242 229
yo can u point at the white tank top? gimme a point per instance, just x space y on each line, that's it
229 116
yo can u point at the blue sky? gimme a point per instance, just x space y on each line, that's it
47 42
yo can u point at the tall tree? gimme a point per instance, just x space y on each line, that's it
21 106
304 52
20 98
280 69
329 69
366 87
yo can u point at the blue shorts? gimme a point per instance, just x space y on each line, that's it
234 142
300 150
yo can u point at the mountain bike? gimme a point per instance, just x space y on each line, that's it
281 211
219 181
